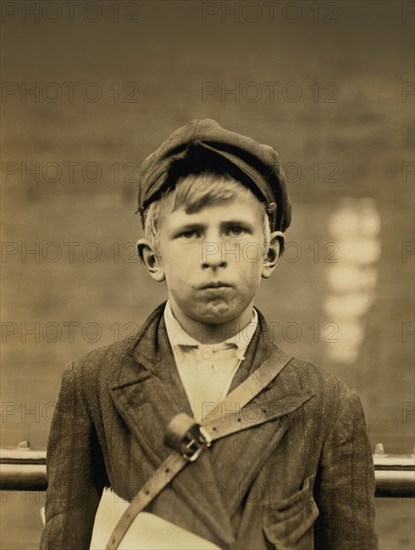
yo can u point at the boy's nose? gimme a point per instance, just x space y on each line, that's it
213 255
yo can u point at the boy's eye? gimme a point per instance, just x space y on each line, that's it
235 230
189 234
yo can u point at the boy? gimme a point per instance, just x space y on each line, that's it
295 469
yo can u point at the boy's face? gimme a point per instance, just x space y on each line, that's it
213 260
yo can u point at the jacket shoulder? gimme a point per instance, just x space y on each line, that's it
107 360
104 361
314 376
331 395
116 350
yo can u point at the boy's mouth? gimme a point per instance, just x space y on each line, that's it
217 284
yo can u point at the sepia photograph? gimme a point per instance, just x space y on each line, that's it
207 275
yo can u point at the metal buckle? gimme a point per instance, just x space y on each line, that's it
194 443
186 436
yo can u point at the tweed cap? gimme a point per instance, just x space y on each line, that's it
204 144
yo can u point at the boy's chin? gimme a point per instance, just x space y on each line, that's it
217 312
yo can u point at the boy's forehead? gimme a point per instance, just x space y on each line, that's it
240 206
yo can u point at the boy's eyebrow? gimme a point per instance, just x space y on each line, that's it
237 221
190 226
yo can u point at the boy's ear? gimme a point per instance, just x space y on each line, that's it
273 253
150 260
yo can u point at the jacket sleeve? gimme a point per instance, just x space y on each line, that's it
74 489
346 483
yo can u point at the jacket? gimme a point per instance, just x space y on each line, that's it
303 480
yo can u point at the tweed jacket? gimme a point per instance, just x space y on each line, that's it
302 480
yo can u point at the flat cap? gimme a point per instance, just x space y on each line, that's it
204 144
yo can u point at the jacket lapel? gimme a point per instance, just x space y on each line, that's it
148 397
237 459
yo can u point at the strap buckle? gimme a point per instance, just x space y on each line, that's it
187 437
195 443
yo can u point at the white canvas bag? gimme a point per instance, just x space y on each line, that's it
148 531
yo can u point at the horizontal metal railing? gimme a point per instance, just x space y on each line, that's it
394 474
24 469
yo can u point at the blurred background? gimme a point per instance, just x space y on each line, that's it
90 89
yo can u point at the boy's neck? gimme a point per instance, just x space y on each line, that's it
206 333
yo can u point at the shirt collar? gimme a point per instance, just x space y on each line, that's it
178 337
